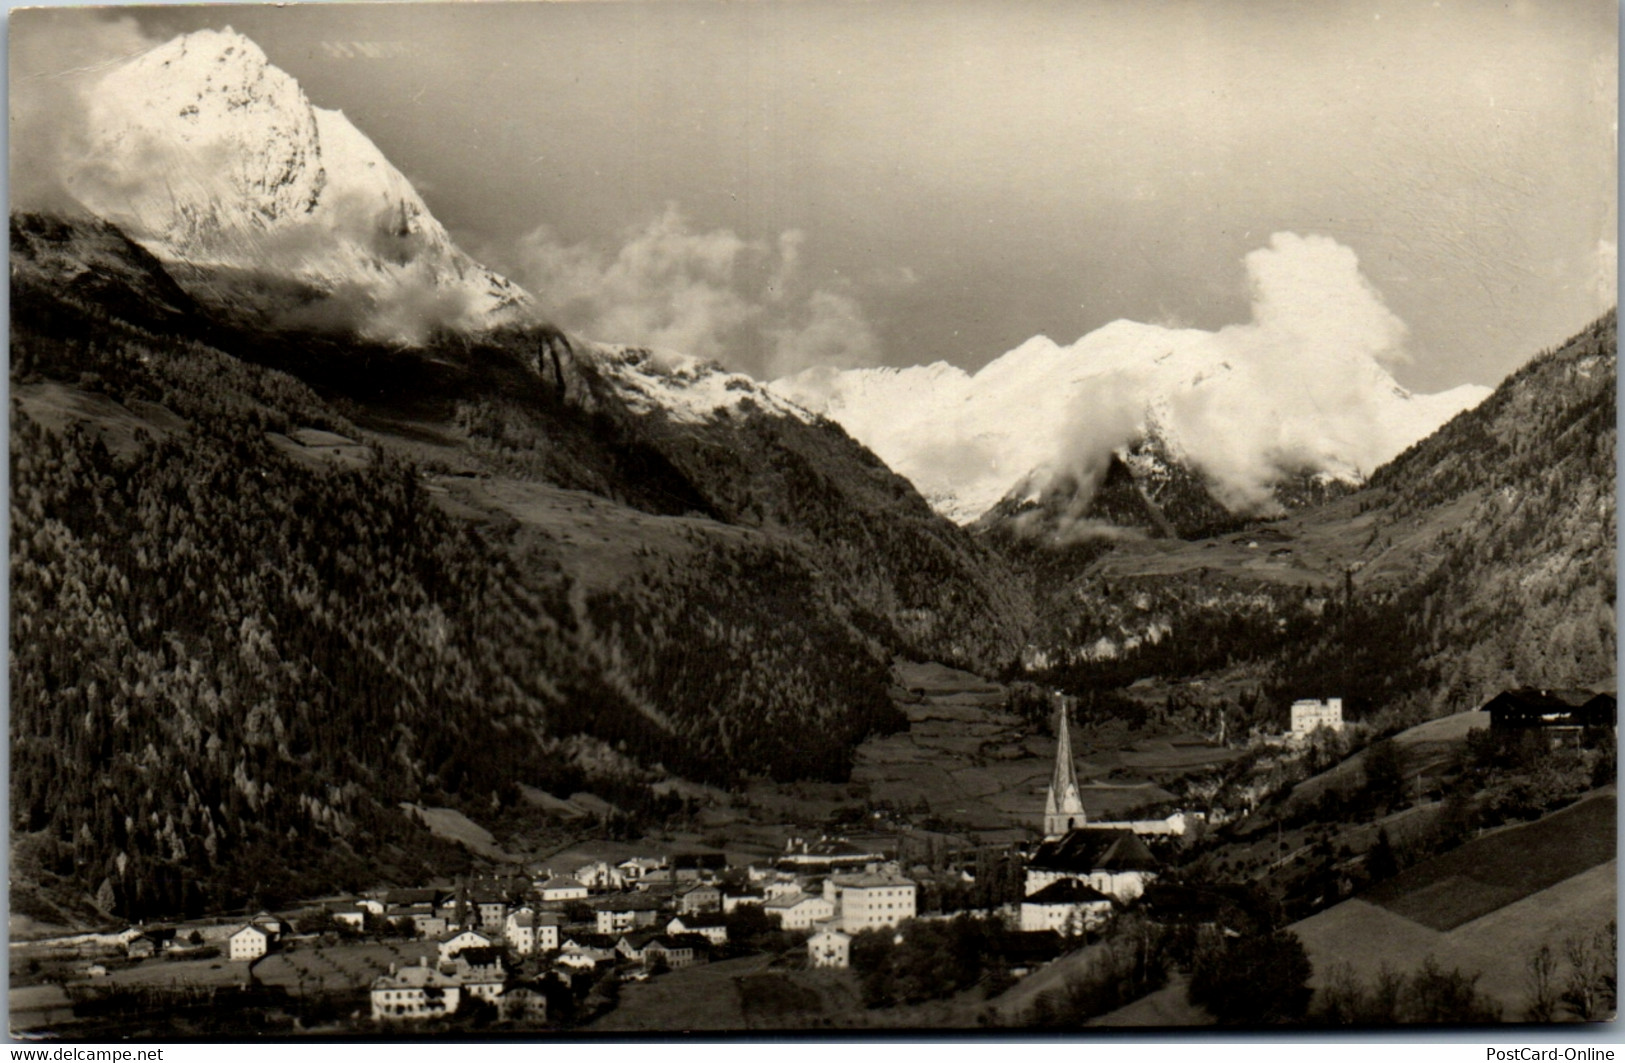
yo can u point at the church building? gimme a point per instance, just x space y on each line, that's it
1063 808
1108 859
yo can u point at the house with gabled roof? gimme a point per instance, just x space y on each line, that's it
800 911
1068 907
700 897
675 951
583 952
600 875
560 888
829 948
639 867
405 897
248 942
1115 862
463 939
417 992
482 973
1557 710
627 911
734 896
529 931
713 926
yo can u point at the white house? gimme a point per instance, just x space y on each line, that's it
463 939
600 876
248 942
773 889
583 956
529 931
560 888
1068 907
624 912
709 925
829 948
420 992
733 898
1310 714
269 923
638 867
800 911
354 918
483 982
869 901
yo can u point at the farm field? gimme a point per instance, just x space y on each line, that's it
452 825
696 998
1495 946
752 994
1484 907
1484 874
159 972
1162 1008
330 967
1320 542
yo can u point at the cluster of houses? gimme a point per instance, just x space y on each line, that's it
649 913
641 915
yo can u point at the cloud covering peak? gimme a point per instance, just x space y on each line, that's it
1302 386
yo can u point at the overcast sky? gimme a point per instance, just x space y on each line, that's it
905 182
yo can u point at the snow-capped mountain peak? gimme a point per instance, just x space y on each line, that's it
268 206
1301 388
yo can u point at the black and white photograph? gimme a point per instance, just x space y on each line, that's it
543 521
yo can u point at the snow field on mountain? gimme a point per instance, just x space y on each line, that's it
1303 386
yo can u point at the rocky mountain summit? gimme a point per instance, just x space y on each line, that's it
268 208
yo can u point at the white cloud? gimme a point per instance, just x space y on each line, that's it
1302 386
712 294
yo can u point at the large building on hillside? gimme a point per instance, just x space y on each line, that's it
1063 807
1310 715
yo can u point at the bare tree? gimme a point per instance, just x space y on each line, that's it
1540 977
1592 976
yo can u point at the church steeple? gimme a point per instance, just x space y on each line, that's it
1063 809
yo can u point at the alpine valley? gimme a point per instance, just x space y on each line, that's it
316 522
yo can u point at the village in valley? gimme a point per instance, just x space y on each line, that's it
569 942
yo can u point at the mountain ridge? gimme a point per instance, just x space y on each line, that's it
1041 412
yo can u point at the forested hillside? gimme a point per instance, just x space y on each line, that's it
262 645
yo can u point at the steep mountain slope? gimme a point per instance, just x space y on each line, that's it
267 208
496 559
1480 558
312 518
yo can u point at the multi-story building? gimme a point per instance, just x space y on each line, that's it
1309 715
420 992
800 911
869 901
